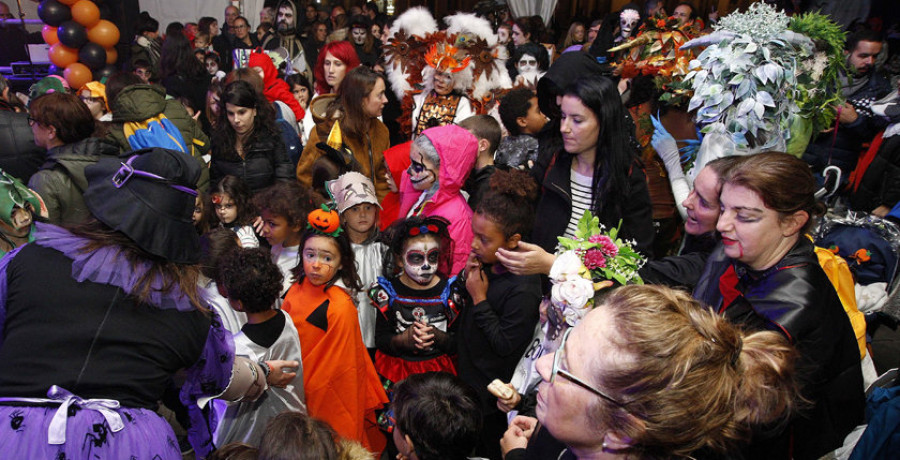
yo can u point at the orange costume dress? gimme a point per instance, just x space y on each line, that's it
341 385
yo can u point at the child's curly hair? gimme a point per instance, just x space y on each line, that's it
250 276
288 199
510 202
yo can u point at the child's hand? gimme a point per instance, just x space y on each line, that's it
258 225
277 376
423 336
476 283
510 403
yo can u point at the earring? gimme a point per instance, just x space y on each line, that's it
604 446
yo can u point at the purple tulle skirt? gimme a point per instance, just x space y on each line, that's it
24 434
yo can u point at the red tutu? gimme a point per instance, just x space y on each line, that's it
396 369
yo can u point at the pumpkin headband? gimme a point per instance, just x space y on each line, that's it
325 221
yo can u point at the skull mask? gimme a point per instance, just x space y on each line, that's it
359 35
421 258
628 20
527 64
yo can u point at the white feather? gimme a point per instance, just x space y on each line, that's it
469 23
414 21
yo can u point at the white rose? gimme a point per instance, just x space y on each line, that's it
574 293
566 266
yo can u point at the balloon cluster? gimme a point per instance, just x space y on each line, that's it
80 42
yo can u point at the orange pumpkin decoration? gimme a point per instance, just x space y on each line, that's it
862 255
325 220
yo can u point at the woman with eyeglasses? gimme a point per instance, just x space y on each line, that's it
651 373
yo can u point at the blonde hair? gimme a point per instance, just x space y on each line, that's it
695 380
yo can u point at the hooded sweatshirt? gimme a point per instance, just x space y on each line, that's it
396 159
274 88
457 149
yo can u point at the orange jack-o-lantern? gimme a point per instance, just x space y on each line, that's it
324 220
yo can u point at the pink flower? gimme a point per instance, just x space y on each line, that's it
607 246
594 259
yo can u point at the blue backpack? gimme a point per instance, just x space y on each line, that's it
156 131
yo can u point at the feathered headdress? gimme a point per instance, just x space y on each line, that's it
444 57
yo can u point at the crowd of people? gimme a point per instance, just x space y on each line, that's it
339 235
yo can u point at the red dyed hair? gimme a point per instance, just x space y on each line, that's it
342 50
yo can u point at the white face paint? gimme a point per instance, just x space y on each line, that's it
420 260
527 64
359 35
628 20
503 35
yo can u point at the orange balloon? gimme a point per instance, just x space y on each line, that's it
68 2
77 75
62 56
49 34
111 55
105 34
86 13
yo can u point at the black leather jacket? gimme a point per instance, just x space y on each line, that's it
795 298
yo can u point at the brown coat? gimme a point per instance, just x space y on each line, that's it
378 140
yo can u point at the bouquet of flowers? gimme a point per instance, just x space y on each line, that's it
591 261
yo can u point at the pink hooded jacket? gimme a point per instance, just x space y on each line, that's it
457 149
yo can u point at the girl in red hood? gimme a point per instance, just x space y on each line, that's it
396 159
274 88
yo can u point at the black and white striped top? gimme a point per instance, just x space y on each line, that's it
582 197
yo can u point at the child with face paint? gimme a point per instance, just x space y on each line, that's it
441 160
354 196
416 303
231 201
337 371
497 322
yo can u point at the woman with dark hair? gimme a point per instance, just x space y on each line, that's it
596 170
103 313
765 275
522 32
208 25
181 73
247 141
353 112
335 60
64 126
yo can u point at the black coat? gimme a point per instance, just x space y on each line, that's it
880 184
796 299
555 207
265 161
18 155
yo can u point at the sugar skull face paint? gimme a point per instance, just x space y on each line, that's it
359 35
421 170
420 259
628 20
527 63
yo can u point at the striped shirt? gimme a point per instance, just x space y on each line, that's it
582 197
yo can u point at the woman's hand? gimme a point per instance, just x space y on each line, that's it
277 376
517 435
526 259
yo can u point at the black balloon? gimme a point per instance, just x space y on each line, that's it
54 13
105 72
72 34
92 55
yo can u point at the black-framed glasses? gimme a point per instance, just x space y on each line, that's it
32 121
557 357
